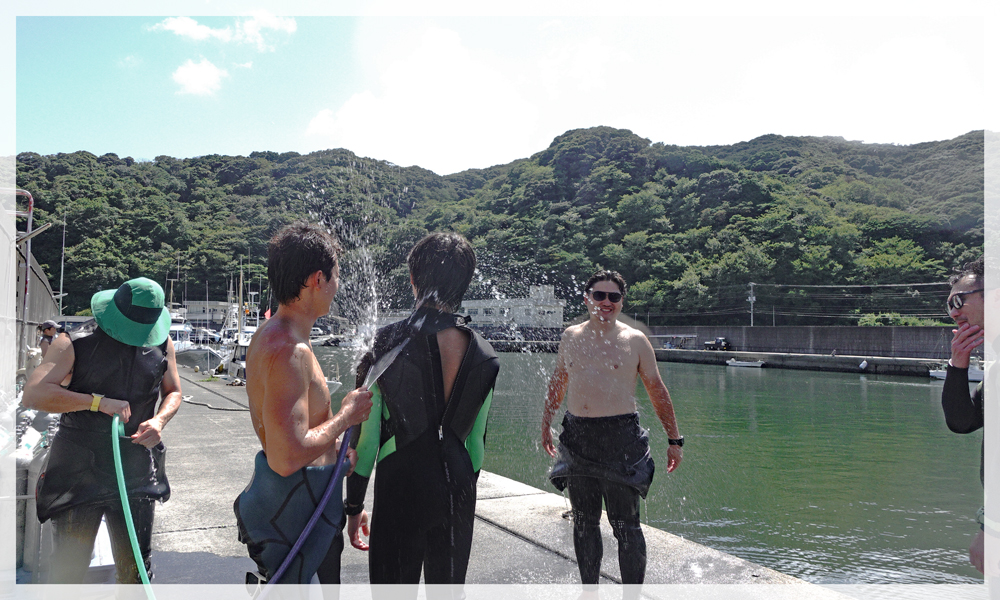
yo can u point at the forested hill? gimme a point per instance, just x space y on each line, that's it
689 227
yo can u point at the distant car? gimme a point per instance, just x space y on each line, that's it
719 343
316 331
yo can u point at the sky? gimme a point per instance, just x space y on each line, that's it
449 93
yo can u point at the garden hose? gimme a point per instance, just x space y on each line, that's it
118 432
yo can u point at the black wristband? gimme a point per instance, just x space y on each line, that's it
353 509
678 442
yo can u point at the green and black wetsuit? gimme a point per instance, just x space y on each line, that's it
429 451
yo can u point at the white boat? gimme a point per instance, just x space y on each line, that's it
975 373
236 366
180 333
187 352
732 362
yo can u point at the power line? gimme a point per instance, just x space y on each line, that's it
858 285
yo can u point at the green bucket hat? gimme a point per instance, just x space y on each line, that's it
134 313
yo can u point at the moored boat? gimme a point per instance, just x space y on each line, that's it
732 362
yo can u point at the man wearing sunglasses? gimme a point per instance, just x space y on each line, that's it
603 451
964 411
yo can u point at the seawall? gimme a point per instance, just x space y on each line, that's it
909 342
876 365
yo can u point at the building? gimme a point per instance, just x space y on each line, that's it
207 313
540 309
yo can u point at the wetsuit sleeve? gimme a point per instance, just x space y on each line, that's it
367 448
962 412
475 444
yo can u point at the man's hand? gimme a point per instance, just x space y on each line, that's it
547 443
977 555
965 339
148 434
111 407
355 406
353 524
674 456
352 457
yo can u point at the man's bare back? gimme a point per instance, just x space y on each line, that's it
276 347
289 400
602 366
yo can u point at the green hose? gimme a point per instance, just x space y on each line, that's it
117 432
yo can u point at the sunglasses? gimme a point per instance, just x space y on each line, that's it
599 296
957 300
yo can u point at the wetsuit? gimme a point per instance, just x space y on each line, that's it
605 459
429 451
273 510
79 484
963 412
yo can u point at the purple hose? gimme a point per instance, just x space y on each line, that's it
337 472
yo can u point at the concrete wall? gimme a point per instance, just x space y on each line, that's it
910 342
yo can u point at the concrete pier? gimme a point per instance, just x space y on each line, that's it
520 535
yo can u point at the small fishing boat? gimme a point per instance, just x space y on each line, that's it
975 373
732 362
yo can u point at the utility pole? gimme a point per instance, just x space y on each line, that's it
751 299
62 267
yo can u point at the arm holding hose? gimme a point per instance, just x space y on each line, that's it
43 391
292 387
149 432
366 441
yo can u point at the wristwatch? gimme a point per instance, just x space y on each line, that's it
678 442
97 402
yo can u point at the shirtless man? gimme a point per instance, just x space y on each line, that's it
603 452
291 413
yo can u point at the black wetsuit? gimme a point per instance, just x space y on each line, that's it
605 459
79 484
963 412
429 452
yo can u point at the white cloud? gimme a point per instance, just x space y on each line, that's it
499 90
130 62
433 95
201 79
189 28
252 30
246 65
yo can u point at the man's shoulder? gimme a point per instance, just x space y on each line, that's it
628 330
274 340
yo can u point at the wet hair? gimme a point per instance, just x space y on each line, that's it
606 275
442 265
973 269
294 253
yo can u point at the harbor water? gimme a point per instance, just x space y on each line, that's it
830 477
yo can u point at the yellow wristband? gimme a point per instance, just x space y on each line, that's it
97 402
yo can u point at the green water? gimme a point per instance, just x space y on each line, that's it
831 477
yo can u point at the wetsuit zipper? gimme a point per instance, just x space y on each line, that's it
449 407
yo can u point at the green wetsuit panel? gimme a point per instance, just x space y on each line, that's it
368 441
475 444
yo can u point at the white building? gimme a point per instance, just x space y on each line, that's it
200 311
540 309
